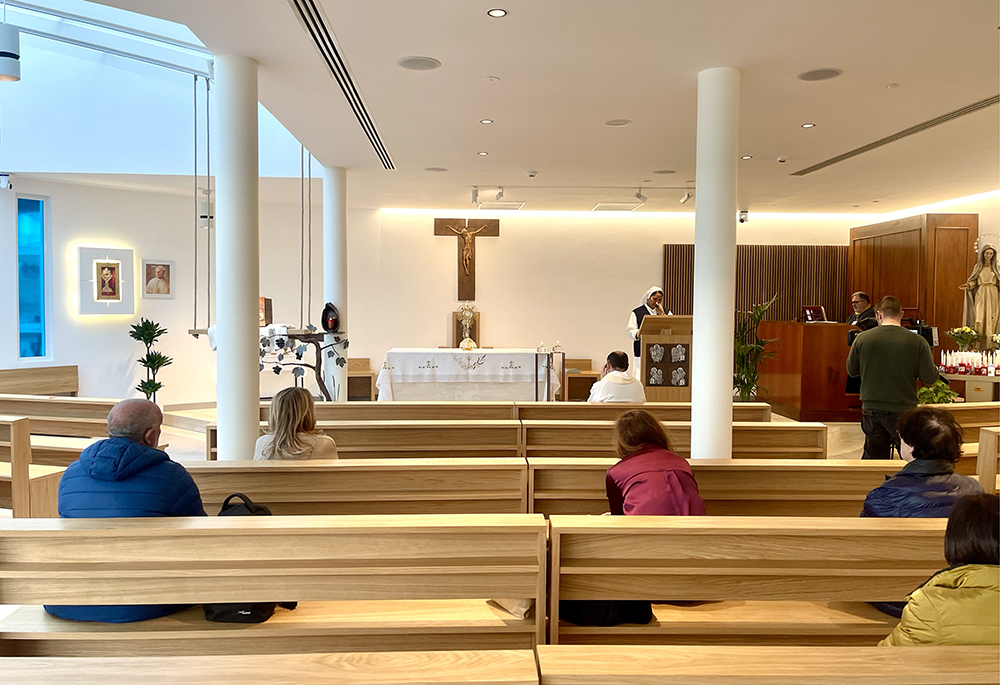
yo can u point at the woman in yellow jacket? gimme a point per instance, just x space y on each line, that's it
961 604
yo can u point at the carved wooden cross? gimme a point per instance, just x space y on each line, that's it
466 231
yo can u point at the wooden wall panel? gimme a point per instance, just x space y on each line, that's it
799 274
952 265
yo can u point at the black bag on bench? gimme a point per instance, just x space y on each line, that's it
244 612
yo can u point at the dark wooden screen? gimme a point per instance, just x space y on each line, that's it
799 274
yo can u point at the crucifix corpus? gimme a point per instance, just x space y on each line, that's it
466 231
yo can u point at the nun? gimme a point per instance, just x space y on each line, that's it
652 303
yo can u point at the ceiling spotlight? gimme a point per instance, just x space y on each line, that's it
639 196
499 195
418 63
10 52
482 154
747 157
475 194
485 121
687 196
808 125
744 216
497 13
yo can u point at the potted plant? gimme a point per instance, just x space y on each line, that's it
148 332
938 393
750 351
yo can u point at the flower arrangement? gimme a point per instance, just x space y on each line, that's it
996 338
964 336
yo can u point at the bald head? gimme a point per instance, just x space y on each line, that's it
137 420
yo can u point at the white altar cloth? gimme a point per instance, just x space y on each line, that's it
452 374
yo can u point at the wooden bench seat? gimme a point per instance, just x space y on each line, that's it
251 559
729 487
610 411
26 489
369 486
743 560
751 440
729 665
40 380
486 667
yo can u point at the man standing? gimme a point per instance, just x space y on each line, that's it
863 311
126 476
890 360
617 384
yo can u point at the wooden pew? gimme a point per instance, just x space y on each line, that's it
751 440
729 665
381 582
730 487
40 380
80 417
972 416
369 486
610 411
26 489
386 439
793 581
989 455
494 667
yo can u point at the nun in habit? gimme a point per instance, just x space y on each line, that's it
652 303
982 298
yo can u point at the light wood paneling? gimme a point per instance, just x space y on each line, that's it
989 455
40 380
610 411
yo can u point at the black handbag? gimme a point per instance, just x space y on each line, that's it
243 612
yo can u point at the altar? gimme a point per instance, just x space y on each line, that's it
417 374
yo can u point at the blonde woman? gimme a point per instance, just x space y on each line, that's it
292 430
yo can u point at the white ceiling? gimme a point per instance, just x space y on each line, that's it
567 66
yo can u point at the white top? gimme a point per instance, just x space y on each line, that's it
317 447
158 286
617 386
633 324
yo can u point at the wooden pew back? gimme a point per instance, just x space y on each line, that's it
729 487
40 380
280 558
26 489
369 486
728 665
751 440
83 417
610 411
986 462
972 416
701 558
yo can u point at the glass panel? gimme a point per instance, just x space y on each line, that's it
30 278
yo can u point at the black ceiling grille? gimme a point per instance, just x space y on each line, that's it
315 24
931 123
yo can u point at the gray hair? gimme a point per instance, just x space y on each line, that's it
132 418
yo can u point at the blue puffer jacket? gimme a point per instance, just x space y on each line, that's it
120 478
924 488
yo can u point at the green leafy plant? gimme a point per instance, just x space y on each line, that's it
938 393
964 336
148 333
750 351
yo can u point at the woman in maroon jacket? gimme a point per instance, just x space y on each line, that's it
650 480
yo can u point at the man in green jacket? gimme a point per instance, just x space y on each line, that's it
890 359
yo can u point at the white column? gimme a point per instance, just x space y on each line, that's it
335 268
715 263
237 261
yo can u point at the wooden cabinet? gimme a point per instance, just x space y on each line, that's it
921 260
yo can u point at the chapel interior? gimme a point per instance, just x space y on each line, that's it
438 217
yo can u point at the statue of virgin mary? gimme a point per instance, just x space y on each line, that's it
982 298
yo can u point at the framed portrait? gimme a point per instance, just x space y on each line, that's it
157 279
107 281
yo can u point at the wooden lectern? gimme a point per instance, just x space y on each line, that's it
665 348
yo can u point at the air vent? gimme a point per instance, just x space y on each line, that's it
502 204
617 206
315 24
931 123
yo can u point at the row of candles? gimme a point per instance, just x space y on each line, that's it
970 363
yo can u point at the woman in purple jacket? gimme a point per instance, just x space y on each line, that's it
650 480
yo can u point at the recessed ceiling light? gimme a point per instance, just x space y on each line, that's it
485 121
435 168
690 180
497 13
647 180
618 122
893 85
820 74
874 200
418 63
808 125
662 172
747 157
492 79
483 154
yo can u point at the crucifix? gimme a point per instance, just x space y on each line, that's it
466 231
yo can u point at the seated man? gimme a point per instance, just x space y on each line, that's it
126 476
616 384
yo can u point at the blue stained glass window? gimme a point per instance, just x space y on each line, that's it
30 277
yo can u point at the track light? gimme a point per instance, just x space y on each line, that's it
687 196
499 195
639 196
10 52
475 194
